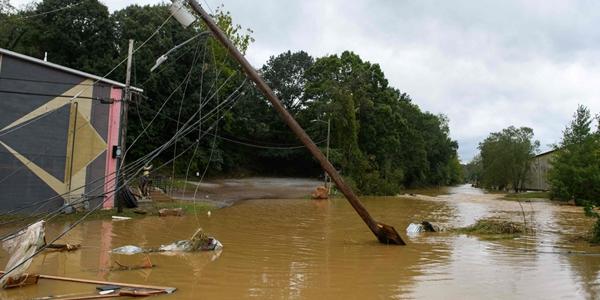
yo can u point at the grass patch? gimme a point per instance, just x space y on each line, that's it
189 207
177 184
494 228
180 184
528 195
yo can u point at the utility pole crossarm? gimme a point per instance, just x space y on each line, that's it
385 234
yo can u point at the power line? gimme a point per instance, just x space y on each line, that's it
78 94
73 225
95 82
50 11
265 147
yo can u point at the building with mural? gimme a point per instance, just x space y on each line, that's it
59 129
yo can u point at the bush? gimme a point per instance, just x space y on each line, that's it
491 226
590 211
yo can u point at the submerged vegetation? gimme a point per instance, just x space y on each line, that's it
595 231
494 227
381 141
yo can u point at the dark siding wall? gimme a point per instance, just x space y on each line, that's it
24 77
96 170
21 188
43 140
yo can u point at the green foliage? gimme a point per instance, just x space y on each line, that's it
285 74
493 226
473 171
575 172
590 211
80 37
506 156
380 140
385 141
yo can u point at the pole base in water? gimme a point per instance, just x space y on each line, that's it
386 234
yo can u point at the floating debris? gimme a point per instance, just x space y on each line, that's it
198 242
63 247
21 246
129 249
147 264
320 193
424 226
177 212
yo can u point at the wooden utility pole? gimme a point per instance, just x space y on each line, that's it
385 234
123 127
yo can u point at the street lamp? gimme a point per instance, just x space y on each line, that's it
164 57
327 149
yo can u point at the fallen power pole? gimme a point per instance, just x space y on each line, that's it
385 233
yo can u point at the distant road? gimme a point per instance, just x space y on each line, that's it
225 192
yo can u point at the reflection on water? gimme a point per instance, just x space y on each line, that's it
302 249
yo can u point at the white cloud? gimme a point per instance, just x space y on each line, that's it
485 64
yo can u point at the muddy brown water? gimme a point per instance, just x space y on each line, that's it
305 249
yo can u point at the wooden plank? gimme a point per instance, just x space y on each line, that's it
166 289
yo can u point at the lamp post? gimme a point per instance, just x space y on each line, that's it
327 150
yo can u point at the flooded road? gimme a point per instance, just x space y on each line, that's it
305 249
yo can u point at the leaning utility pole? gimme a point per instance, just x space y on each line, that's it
123 128
385 234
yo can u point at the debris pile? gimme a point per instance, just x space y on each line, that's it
320 192
198 242
492 226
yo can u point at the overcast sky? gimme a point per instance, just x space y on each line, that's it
485 64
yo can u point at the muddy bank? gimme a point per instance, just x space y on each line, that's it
225 192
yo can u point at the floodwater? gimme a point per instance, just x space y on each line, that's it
305 249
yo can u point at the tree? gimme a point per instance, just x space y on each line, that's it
200 72
506 156
285 74
381 140
80 37
473 171
575 172
6 8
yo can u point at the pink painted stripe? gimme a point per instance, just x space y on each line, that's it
114 117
